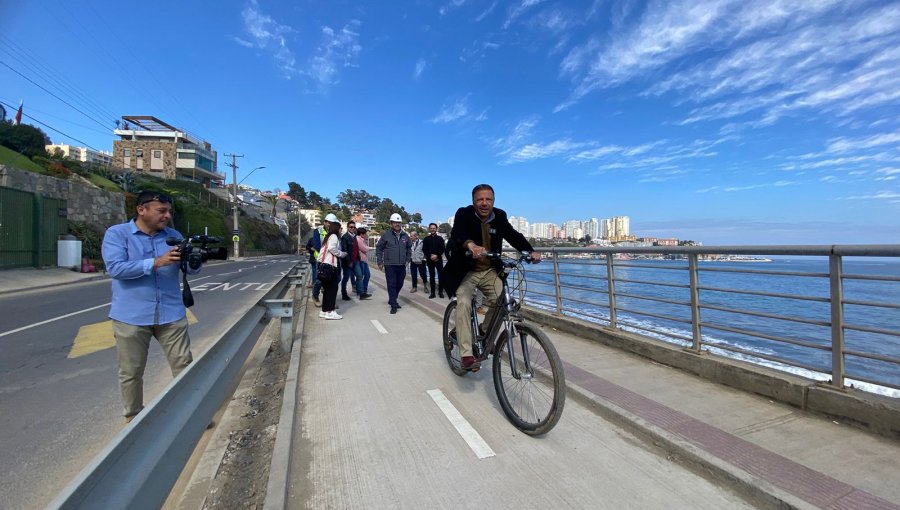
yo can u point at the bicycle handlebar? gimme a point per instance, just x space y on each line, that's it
523 257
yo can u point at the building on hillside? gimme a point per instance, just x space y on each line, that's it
83 154
149 145
364 219
313 217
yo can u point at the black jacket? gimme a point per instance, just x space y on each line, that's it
433 245
467 227
347 246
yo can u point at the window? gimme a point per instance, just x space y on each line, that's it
139 153
157 154
127 153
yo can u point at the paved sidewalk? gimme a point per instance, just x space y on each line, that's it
24 279
780 454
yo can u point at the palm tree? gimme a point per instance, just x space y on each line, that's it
272 199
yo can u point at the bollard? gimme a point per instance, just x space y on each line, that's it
283 308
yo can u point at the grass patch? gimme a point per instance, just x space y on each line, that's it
12 158
103 183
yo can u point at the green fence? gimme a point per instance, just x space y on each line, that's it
30 225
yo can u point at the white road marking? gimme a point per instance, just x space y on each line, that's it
468 433
379 327
36 324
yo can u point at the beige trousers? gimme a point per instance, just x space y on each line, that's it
133 345
491 286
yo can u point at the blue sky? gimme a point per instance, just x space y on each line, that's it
728 122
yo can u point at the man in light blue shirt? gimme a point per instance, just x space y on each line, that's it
146 298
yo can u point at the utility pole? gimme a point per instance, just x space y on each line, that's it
234 208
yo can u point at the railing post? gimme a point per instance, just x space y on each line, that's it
837 320
611 288
695 301
556 286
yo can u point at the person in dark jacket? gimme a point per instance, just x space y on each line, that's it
478 229
348 240
433 246
392 253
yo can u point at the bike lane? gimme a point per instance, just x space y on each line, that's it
374 430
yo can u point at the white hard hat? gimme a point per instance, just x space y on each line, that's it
331 218
396 217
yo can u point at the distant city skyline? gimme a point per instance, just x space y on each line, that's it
734 122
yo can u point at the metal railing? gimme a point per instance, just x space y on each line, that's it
812 317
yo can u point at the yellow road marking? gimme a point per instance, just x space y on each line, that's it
99 336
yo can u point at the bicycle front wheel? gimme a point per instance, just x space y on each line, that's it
534 395
451 345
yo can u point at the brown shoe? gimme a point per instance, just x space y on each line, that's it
470 363
413 290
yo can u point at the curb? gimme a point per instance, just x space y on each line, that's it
279 468
57 284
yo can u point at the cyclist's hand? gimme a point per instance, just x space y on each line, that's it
535 256
477 251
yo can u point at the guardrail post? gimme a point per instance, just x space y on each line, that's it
283 308
611 289
695 301
556 286
837 320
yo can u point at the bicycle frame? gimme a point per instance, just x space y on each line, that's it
507 314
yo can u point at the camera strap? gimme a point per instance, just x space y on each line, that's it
186 296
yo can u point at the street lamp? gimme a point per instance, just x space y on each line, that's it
234 206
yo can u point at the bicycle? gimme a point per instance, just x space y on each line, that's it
531 390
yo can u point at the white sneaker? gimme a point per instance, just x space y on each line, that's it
323 315
333 316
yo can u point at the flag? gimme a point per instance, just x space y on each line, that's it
19 114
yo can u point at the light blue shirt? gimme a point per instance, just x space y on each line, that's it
141 295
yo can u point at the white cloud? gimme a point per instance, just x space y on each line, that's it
267 34
880 195
420 66
452 112
534 151
843 144
337 49
519 10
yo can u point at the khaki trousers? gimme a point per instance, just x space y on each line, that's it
491 286
133 345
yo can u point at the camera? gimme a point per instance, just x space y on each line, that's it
193 256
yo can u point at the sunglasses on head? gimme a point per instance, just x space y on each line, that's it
159 197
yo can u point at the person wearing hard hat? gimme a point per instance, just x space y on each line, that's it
316 245
392 253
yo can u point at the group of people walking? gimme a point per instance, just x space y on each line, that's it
338 259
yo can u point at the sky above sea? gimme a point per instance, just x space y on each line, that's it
726 122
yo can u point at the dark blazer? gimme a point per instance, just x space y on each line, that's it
467 227
433 245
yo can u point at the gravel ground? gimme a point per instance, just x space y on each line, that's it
240 481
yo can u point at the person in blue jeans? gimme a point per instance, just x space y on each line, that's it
393 253
362 265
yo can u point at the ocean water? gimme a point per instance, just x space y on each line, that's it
811 359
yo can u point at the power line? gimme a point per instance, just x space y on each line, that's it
52 94
51 127
33 109
48 73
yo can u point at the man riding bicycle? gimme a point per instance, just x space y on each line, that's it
478 229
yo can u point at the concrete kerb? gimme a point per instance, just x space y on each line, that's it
279 468
103 276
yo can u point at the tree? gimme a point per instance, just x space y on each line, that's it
416 218
24 138
444 228
297 192
292 225
358 199
272 199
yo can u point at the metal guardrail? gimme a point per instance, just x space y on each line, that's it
699 317
138 469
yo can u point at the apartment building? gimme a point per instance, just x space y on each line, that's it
83 154
150 145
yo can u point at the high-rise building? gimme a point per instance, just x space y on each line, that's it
591 228
605 228
542 230
520 224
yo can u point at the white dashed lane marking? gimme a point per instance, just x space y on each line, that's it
465 429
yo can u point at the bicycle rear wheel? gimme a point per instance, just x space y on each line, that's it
534 400
451 345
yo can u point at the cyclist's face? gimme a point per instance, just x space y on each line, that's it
483 202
